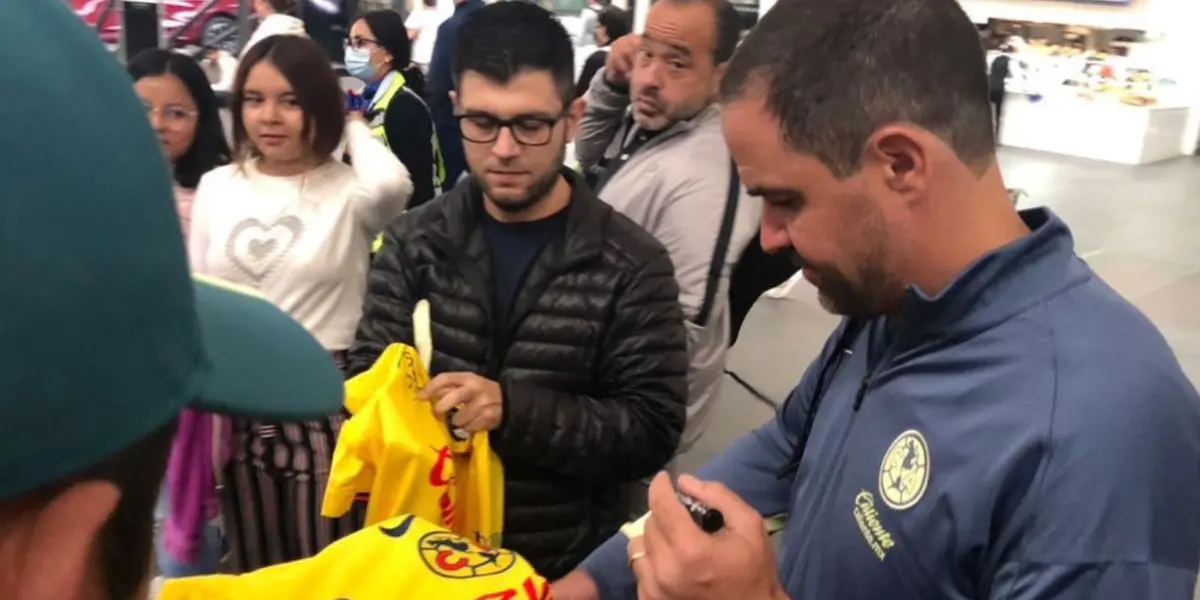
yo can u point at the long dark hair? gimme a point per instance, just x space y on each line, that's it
389 30
209 149
306 67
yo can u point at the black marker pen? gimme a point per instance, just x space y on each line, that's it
709 519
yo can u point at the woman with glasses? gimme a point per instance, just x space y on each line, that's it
183 111
379 53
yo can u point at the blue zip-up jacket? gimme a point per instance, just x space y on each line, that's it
1025 435
438 86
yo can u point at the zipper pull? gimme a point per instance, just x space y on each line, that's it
862 392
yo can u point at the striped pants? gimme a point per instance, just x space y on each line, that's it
273 487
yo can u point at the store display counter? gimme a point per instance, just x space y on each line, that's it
1102 129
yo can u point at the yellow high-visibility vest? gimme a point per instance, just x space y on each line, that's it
378 110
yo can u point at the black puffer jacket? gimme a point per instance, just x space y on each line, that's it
593 368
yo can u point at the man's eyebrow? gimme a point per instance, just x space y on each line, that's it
684 50
778 196
526 115
759 192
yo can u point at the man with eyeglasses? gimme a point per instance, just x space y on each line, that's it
556 321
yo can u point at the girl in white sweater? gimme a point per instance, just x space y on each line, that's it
293 223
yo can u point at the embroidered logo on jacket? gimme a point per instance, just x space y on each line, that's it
867 518
904 474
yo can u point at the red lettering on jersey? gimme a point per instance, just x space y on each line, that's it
437 475
532 591
505 595
447 506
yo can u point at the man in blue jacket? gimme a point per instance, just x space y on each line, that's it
991 421
438 87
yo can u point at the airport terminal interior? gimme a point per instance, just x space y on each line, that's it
1101 121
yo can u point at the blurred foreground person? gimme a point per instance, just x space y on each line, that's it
112 337
183 111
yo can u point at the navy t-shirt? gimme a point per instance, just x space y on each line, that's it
514 247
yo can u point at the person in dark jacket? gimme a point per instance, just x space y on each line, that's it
441 84
378 52
556 320
611 24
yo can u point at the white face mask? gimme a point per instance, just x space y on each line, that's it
358 64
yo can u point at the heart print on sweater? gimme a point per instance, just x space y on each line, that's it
256 248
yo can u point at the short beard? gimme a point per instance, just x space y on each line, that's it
872 289
533 195
868 299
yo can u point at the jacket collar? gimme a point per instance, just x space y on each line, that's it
1003 282
468 5
587 219
678 128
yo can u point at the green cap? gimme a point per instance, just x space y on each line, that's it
104 335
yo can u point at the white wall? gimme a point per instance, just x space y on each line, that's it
1133 16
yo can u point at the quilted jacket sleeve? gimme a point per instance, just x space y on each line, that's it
633 429
387 307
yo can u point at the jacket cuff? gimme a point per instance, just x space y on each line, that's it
606 92
505 393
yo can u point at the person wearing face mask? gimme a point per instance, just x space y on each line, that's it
379 53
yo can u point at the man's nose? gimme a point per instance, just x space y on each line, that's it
156 120
773 236
506 144
648 75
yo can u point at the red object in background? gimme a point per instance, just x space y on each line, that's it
176 14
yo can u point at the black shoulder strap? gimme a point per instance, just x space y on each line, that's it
721 249
828 369
629 146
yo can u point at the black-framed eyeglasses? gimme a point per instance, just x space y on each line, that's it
528 130
358 41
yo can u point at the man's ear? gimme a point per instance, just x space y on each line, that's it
903 156
59 542
574 116
454 98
